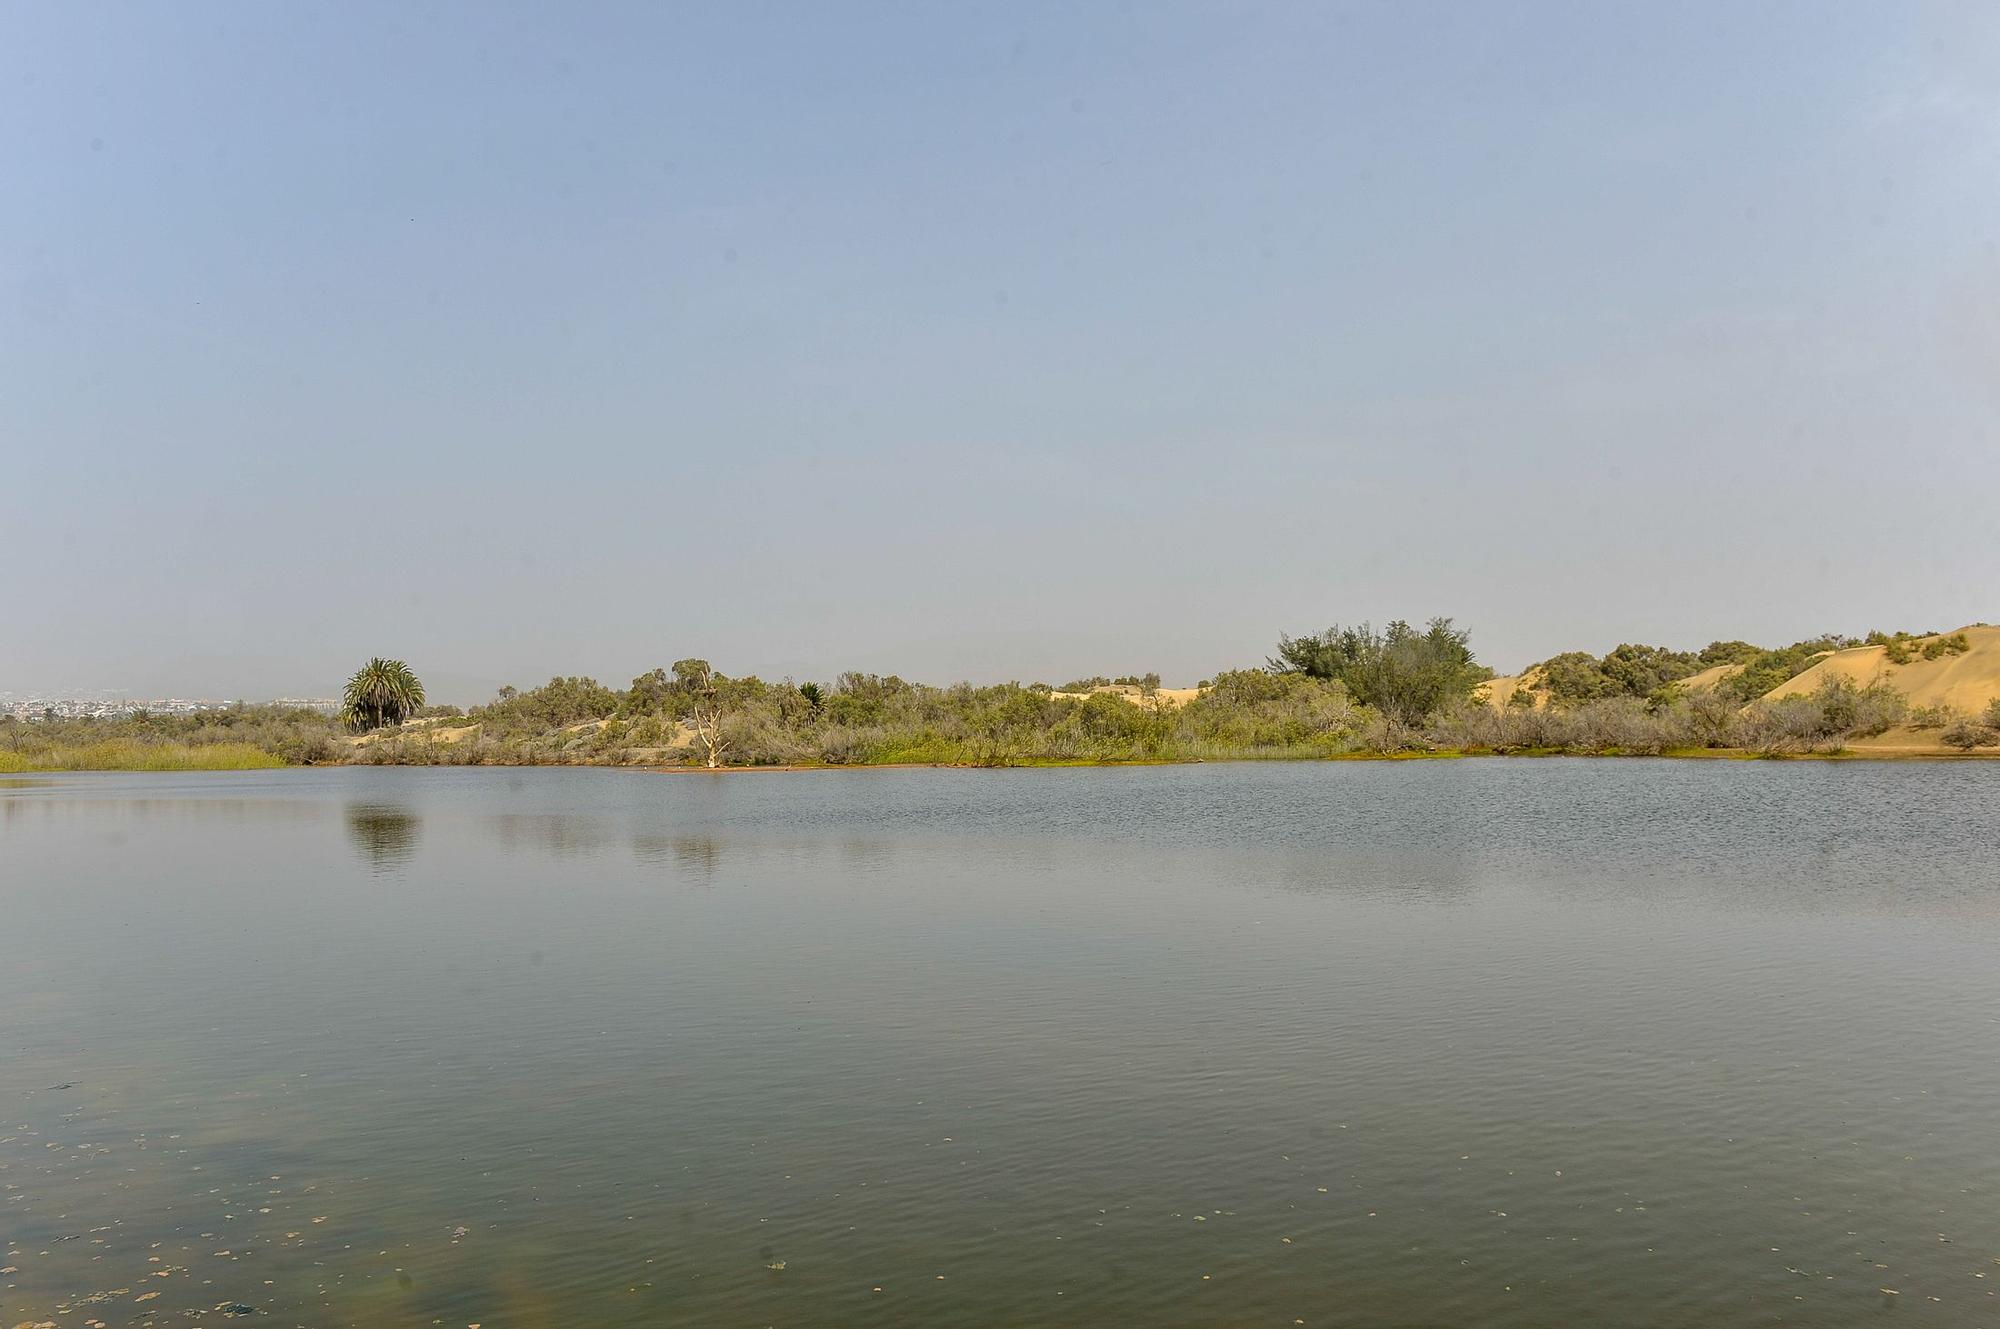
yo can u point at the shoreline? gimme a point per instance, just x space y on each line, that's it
1711 754
656 768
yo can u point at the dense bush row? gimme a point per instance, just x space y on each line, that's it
1650 672
1343 691
868 719
1820 721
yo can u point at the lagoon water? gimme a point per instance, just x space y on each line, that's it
1440 1043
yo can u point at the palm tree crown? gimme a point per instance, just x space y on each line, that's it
382 692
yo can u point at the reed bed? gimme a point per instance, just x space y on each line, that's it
128 755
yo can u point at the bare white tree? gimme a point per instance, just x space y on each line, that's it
706 713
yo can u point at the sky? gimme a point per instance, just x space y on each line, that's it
982 341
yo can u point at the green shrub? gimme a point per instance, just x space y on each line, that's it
1400 671
1824 718
1767 671
1727 652
1965 736
1931 717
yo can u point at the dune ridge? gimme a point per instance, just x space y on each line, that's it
1948 684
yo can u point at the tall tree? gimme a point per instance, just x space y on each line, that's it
382 692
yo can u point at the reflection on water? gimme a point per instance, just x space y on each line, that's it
558 835
1471 1043
697 855
385 834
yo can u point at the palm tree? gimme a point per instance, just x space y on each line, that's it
382 692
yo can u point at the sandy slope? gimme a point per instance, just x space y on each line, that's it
1710 676
1499 691
1965 683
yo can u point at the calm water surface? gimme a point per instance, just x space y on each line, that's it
1446 1043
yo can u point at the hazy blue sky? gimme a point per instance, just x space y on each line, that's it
983 341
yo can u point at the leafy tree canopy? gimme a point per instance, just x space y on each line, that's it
1631 670
560 701
382 692
1408 674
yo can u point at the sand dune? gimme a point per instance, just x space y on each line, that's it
1710 676
1499 691
1963 683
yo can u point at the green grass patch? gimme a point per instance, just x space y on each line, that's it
125 755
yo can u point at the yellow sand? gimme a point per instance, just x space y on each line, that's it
1709 677
1904 741
1171 699
1500 691
1964 683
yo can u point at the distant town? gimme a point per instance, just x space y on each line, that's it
109 705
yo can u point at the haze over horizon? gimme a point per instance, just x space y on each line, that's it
992 342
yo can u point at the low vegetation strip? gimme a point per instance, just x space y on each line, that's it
130 754
1345 692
